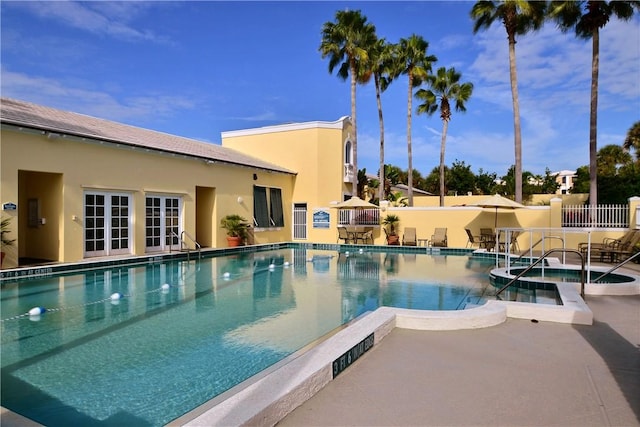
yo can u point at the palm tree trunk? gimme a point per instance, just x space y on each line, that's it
381 120
443 141
517 137
410 168
593 120
354 139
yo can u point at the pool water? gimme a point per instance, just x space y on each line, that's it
155 354
571 276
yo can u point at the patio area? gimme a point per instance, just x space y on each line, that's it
517 373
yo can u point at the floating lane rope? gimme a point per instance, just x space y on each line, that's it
35 314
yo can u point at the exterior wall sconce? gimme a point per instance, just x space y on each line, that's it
240 200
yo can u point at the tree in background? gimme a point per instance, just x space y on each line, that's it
581 181
381 65
363 182
416 64
518 17
485 182
460 178
549 184
618 176
345 42
632 141
531 184
587 18
611 158
443 88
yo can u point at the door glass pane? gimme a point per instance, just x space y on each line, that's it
93 234
152 229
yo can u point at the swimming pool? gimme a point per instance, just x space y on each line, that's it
157 352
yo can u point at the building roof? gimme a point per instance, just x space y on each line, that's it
287 127
27 115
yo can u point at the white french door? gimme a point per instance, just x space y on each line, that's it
162 223
107 224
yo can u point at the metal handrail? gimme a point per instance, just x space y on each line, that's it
612 269
173 234
195 243
539 260
530 250
183 244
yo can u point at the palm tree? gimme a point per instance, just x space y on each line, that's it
416 64
518 17
587 24
381 58
444 86
633 140
610 158
345 42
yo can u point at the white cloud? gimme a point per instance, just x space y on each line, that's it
53 93
108 18
261 117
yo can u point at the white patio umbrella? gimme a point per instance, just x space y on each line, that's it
498 202
355 202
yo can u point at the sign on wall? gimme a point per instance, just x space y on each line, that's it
321 218
9 206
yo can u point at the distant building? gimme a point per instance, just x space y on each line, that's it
565 179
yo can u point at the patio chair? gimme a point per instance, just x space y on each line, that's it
409 237
344 235
514 247
473 240
439 237
366 237
488 238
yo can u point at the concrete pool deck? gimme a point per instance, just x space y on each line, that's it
516 373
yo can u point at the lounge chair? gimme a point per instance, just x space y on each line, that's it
473 240
409 237
439 237
608 245
344 235
622 251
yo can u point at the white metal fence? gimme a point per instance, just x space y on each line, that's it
359 217
599 216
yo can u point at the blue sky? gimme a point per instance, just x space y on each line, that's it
196 69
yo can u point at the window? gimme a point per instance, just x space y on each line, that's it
347 152
267 207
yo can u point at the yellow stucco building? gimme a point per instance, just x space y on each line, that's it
75 187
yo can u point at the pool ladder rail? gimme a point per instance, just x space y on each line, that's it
541 259
184 247
582 267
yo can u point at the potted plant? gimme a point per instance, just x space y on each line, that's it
390 222
236 227
4 231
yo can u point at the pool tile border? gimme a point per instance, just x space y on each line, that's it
45 270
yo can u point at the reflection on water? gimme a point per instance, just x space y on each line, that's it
217 322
